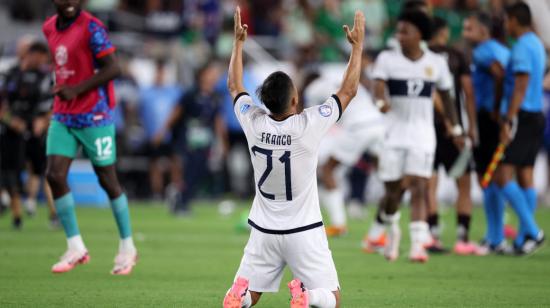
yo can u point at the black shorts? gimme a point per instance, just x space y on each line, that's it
12 158
446 151
163 150
35 150
523 150
488 130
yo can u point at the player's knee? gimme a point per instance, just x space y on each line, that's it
255 296
55 178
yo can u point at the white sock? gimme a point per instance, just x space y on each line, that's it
420 232
321 298
335 204
126 245
76 243
247 299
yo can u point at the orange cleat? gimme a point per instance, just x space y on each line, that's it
335 231
374 245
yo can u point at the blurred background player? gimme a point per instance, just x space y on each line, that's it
360 129
489 61
28 89
447 153
410 76
198 124
157 103
522 125
85 65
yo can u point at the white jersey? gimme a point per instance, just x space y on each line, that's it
411 84
284 156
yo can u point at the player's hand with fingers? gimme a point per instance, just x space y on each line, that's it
356 36
66 93
505 133
240 29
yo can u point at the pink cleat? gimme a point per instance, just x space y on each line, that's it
124 263
69 260
235 296
469 248
300 298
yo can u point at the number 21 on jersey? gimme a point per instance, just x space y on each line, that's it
283 161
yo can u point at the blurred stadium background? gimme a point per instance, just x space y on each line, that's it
162 44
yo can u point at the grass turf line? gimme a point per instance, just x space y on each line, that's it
191 262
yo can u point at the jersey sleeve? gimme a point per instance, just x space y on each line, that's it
381 70
520 60
100 44
320 118
246 111
445 79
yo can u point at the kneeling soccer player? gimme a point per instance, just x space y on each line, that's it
83 116
285 216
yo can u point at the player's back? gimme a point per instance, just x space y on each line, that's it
284 158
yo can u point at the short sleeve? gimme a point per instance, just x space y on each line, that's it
245 110
520 59
100 44
380 70
320 118
445 79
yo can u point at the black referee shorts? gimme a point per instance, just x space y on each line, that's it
489 130
523 150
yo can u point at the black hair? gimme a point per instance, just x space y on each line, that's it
438 24
276 92
413 5
38 47
521 12
420 20
484 19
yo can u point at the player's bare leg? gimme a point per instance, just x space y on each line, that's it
16 208
435 244
464 208
333 199
56 174
419 230
127 253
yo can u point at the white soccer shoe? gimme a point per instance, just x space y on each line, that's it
124 263
391 250
69 260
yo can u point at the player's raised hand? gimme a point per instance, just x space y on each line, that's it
240 29
356 36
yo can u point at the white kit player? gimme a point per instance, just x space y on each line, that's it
409 77
361 129
287 227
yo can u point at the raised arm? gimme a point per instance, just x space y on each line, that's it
235 76
352 75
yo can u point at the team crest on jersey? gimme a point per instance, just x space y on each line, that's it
325 110
244 108
429 71
61 55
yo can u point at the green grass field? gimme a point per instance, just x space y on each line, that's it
191 263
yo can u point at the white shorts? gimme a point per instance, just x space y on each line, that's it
347 145
394 164
306 254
